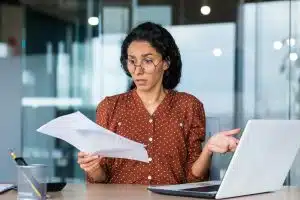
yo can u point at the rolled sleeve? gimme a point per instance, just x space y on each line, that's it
196 137
102 119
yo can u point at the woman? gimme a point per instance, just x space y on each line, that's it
171 124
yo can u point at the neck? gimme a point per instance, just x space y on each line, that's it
156 94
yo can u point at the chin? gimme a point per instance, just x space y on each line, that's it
143 88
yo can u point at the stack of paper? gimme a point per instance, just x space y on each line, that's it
6 187
87 136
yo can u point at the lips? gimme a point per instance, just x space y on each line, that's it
141 81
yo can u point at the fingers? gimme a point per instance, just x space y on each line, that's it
92 167
223 144
217 149
82 154
234 139
87 159
88 167
232 149
232 144
89 164
84 158
232 132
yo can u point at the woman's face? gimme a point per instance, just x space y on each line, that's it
145 65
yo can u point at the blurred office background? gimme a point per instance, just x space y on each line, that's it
240 58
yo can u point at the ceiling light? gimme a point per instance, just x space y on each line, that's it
205 10
93 21
217 52
291 42
293 56
277 45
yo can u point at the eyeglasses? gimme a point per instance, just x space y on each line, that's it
147 65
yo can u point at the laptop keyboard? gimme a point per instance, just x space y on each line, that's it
210 188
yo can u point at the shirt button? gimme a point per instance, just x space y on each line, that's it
150 120
150 139
119 124
181 124
149 177
150 159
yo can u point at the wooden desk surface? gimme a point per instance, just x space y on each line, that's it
138 192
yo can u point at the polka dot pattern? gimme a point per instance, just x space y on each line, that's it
172 135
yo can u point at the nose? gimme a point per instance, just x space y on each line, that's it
138 70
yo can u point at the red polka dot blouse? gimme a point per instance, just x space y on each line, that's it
172 134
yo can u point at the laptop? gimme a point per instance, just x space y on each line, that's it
260 164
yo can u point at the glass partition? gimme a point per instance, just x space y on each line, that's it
271 81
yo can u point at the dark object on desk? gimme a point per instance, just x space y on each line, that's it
55 187
52 187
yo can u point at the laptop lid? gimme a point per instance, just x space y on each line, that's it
262 159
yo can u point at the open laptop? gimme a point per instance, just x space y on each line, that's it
260 164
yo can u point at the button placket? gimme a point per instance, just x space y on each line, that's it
150 141
152 129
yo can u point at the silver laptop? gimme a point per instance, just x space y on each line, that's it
260 164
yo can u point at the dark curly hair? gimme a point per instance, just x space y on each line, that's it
163 42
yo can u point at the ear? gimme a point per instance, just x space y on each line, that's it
166 65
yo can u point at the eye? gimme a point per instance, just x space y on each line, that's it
130 61
148 61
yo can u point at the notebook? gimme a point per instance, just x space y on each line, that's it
6 187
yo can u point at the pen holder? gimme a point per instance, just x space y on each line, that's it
32 182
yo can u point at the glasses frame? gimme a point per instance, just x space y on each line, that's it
143 68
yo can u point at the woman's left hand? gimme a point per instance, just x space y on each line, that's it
223 142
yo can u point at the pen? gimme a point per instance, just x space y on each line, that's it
20 161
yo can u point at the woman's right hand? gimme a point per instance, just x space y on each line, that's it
88 162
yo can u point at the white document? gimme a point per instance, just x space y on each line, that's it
6 187
87 136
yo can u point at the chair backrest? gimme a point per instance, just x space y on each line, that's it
219 162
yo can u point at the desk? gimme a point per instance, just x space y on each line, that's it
138 192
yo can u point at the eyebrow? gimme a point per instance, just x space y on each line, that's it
144 55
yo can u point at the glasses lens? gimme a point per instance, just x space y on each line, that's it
130 66
148 66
